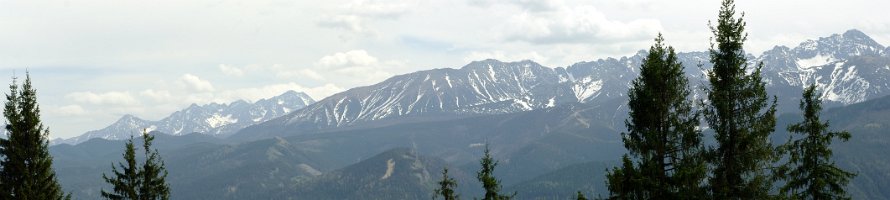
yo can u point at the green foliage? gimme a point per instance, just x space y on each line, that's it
126 181
146 182
491 184
810 172
446 186
27 171
662 133
739 112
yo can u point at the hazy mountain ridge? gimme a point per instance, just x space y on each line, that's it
212 119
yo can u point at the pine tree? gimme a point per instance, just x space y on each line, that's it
26 171
485 175
624 182
809 172
739 112
131 181
446 187
662 133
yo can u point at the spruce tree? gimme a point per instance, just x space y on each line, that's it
126 180
809 172
26 171
740 113
446 187
145 182
491 184
154 175
662 134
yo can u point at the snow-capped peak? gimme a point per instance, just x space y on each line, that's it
213 118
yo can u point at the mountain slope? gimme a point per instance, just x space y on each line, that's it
479 88
211 119
395 174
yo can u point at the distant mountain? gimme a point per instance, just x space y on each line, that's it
848 67
211 119
479 88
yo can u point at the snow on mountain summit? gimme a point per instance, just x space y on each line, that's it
213 118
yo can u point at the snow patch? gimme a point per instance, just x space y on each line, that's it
448 80
551 102
218 120
815 61
491 72
586 88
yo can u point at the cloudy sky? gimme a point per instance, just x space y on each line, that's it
93 61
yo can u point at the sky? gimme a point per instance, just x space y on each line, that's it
93 61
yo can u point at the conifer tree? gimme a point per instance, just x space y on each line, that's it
446 187
154 175
662 133
740 113
131 181
26 167
126 179
491 184
809 172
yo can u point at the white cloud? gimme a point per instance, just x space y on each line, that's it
355 15
300 73
348 22
107 98
196 83
359 67
378 9
574 25
157 95
529 5
349 58
67 111
230 70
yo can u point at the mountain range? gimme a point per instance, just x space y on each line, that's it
212 119
848 68
543 124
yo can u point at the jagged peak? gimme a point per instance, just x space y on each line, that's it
498 63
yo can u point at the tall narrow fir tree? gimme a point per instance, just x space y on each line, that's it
809 172
26 171
485 175
740 113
